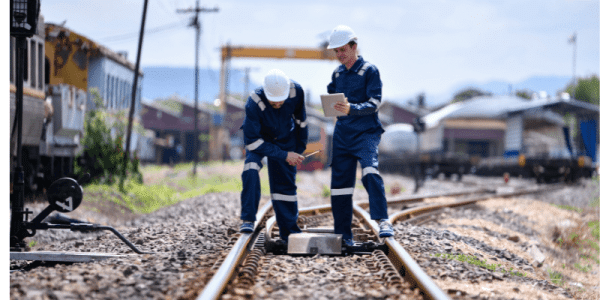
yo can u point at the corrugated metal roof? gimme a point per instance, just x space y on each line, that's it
487 107
577 107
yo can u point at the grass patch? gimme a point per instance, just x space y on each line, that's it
583 268
470 259
195 186
556 277
32 244
584 238
147 198
325 191
595 228
595 202
568 207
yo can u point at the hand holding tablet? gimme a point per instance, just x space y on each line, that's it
329 101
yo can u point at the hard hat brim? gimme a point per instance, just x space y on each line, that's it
333 46
279 98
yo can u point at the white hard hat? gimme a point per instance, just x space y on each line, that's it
341 36
276 86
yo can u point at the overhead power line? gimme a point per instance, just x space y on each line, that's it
133 35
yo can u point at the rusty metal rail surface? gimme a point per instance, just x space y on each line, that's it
415 211
238 252
404 262
412 198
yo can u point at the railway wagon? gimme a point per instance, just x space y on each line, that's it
399 153
52 117
565 150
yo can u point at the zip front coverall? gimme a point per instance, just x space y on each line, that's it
273 133
356 137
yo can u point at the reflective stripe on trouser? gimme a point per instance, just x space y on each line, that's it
282 180
343 178
250 186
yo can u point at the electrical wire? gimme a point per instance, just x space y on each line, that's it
135 35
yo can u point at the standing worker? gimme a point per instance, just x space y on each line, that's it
275 127
356 135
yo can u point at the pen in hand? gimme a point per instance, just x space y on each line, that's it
313 153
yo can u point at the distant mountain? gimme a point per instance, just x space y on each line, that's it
162 82
549 84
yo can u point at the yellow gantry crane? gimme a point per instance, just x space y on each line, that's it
220 140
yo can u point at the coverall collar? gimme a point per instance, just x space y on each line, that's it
356 66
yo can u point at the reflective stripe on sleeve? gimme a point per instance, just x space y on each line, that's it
342 192
362 70
375 102
369 170
256 99
251 166
255 145
292 90
282 197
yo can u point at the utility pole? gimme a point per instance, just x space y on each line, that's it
196 24
573 40
134 91
247 82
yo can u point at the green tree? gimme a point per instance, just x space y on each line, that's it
586 90
102 142
468 94
525 94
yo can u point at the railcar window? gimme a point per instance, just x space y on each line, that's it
12 59
117 93
40 64
127 94
109 95
121 94
32 58
113 89
26 67
106 91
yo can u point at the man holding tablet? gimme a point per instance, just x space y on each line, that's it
356 135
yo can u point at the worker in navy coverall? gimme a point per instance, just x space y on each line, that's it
275 127
356 135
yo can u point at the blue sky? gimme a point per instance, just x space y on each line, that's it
418 46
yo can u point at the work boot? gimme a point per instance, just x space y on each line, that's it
385 228
247 227
348 242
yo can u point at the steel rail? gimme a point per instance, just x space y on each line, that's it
415 211
238 252
413 198
403 261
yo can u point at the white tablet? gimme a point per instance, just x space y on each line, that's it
328 101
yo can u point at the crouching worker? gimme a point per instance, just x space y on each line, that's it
275 127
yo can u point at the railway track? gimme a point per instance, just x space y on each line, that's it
253 270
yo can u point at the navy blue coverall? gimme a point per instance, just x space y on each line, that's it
273 133
356 137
